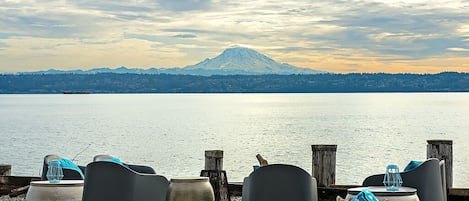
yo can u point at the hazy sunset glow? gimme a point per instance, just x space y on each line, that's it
420 36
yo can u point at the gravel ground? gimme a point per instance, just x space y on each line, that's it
8 198
235 198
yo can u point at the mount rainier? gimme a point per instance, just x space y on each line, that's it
232 61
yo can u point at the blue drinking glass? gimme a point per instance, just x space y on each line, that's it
255 167
54 172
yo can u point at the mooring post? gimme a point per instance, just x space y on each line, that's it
5 170
214 160
324 158
443 150
214 170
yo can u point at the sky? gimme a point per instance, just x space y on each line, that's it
392 36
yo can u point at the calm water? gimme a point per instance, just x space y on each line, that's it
170 132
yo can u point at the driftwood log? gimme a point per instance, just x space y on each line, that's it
19 191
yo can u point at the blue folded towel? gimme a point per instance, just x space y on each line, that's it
412 165
365 195
114 160
66 163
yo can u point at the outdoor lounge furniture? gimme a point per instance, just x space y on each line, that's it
443 180
137 168
427 178
112 181
69 173
279 182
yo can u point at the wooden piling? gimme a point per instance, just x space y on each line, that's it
443 150
214 160
5 170
323 162
217 176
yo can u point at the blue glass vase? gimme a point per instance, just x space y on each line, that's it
392 178
54 172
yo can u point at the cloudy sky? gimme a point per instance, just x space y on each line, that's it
422 36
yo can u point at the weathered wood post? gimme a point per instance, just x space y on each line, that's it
214 160
214 170
5 170
443 150
324 158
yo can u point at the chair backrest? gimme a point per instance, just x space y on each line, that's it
141 169
138 168
111 181
69 174
426 178
443 179
102 157
279 182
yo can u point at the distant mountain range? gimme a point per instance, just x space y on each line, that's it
233 61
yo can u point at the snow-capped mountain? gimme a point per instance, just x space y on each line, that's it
241 60
233 61
121 69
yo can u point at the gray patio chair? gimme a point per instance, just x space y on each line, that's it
137 168
426 178
443 179
111 181
69 173
102 157
279 182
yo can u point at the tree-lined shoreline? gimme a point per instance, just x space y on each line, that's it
165 83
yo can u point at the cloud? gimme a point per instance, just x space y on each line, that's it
42 21
73 54
396 30
5 35
308 33
458 49
185 5
185 36
213 33
3 45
